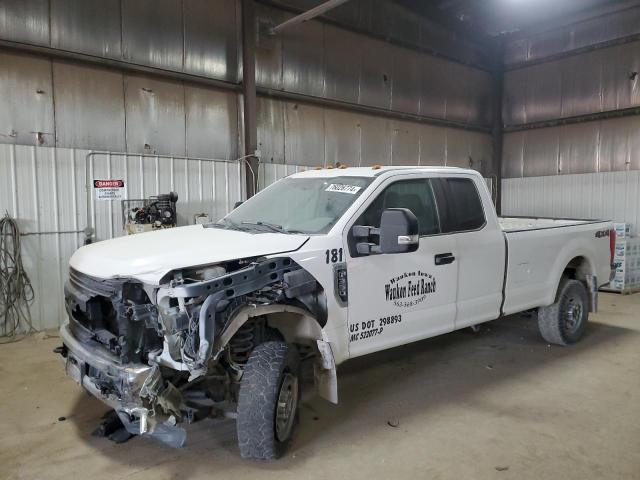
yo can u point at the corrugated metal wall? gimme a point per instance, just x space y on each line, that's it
53 111
76 105
299 134
592 82
388 20
202 41
272 172
44 188
611 196
567 168
326 61
598 146
48 102
606 28
200 38
546 82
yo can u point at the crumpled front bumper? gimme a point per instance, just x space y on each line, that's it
84 362
118 385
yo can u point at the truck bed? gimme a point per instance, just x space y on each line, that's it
519 224
538 250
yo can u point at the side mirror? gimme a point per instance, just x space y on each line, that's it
399 232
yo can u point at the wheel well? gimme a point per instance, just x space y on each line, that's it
578 269
296 326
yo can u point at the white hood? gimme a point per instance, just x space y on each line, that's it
149 256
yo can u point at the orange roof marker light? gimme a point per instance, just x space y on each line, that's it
318 168
342 167
376 167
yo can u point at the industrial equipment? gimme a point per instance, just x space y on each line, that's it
153 213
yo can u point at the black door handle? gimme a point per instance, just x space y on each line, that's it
444 258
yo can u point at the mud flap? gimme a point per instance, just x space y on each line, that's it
324 372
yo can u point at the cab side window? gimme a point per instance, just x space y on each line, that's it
416 195
466 203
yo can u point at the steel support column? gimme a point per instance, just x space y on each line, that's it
497 77
249 94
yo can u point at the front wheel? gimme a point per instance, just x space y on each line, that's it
564 322
268 401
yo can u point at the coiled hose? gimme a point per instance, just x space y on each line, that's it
16 292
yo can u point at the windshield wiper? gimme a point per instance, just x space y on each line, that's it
272 226
226 223
243 226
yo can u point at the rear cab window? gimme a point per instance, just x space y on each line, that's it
460 205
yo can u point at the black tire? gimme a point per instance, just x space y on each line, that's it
267 375
564 322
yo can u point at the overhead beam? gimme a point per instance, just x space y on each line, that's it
614 7
308 15
441 14
588 117
432 51
56 53
576 51
369 110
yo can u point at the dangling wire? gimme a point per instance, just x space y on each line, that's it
16 292
254 176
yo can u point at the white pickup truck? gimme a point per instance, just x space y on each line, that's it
329 264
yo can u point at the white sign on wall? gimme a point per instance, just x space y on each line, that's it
109 189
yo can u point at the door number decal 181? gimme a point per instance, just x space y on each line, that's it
334 255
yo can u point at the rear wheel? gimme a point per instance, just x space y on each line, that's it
564 322
268 401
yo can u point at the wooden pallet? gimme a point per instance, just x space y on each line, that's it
626 291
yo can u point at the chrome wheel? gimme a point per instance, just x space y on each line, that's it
286 406
564 322
572 314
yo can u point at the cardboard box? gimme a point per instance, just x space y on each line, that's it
623 230
626 259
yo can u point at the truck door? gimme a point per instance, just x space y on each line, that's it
404 297
470 222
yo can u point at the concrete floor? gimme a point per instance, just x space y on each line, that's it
497 404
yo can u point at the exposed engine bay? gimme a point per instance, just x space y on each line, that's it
174 353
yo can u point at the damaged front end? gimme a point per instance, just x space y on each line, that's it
154 354
118 385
